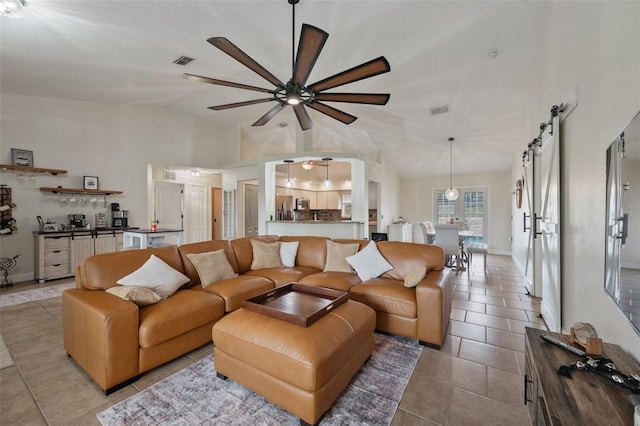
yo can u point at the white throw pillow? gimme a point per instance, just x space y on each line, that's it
369 263
288 252
212 266
156 275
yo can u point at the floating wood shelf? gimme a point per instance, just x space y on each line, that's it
26 169
80 191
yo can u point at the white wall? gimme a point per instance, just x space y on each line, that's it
595 45
114 142
417 203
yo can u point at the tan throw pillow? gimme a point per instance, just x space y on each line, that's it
415 276
265 255
337 254
212 266
141 296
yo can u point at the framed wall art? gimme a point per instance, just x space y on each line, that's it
90 182
21 157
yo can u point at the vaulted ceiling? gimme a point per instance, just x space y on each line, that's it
476 57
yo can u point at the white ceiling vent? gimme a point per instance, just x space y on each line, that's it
183 60
439 109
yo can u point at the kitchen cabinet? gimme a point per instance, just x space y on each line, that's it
58 254
321 200
401 232
53 257
333 198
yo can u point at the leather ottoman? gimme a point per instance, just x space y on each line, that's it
303 370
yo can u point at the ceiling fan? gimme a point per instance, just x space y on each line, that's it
296 92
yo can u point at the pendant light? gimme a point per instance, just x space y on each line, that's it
289 183
327 182
451 194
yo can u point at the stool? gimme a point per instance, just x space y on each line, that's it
477 248
301 369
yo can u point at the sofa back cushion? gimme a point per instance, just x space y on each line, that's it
204 247
102 271
244 251
405 257
312 251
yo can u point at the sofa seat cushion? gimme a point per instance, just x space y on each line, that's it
386 295
184 311
305 357
235 290
282 276
335 280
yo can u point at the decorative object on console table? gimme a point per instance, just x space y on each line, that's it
585 398
90 182
21 157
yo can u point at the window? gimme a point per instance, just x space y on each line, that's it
469 211
228 214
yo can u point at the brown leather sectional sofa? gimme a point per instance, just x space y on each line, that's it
114 340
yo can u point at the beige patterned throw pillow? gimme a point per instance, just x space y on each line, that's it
415 276
141 296
337 254
212 266
265 255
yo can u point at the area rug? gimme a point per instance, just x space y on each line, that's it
5 357
25 296
195 396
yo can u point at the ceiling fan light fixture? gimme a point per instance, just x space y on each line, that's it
293 98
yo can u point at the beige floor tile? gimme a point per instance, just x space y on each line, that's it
458 314
469 331
503 386
518 326
534 317
508 295
403 418
451 345
530 305
490 355
505 339
456 371
473 410
20 409
487 320
490 300
161 372
201 352
469 306
507 312
460 295
427 398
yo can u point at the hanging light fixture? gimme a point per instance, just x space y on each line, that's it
451 194
289 183
327 182
307 165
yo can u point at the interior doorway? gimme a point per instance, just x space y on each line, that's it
216 213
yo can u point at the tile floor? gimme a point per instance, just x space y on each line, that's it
476 379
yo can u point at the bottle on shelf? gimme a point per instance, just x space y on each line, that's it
6 207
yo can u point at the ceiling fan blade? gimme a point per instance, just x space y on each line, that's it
224 83
232 50
368 69
311 42
239 104
270 114
333 113
303 117
356 98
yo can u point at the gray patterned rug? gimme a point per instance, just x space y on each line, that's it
195 396
18 297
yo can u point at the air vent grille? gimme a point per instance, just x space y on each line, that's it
183 60
168 174
439 109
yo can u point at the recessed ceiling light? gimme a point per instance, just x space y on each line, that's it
493 54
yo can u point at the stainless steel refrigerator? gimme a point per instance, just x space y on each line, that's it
284 207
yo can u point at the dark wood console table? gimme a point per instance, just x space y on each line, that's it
584 399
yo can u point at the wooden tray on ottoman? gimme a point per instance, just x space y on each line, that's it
296 303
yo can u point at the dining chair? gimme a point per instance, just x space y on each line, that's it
447 238
428 232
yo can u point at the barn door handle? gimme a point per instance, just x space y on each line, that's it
536 218
526 382
525 216
622 235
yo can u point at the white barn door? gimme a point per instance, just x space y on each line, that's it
549 227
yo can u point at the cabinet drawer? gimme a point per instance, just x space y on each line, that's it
56 256
55 243
57 270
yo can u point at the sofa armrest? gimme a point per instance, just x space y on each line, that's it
433 300
101 334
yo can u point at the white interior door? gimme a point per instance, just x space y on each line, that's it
168 205
549 228
196 212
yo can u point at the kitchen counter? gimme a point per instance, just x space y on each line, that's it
146 238
322 228
69 232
